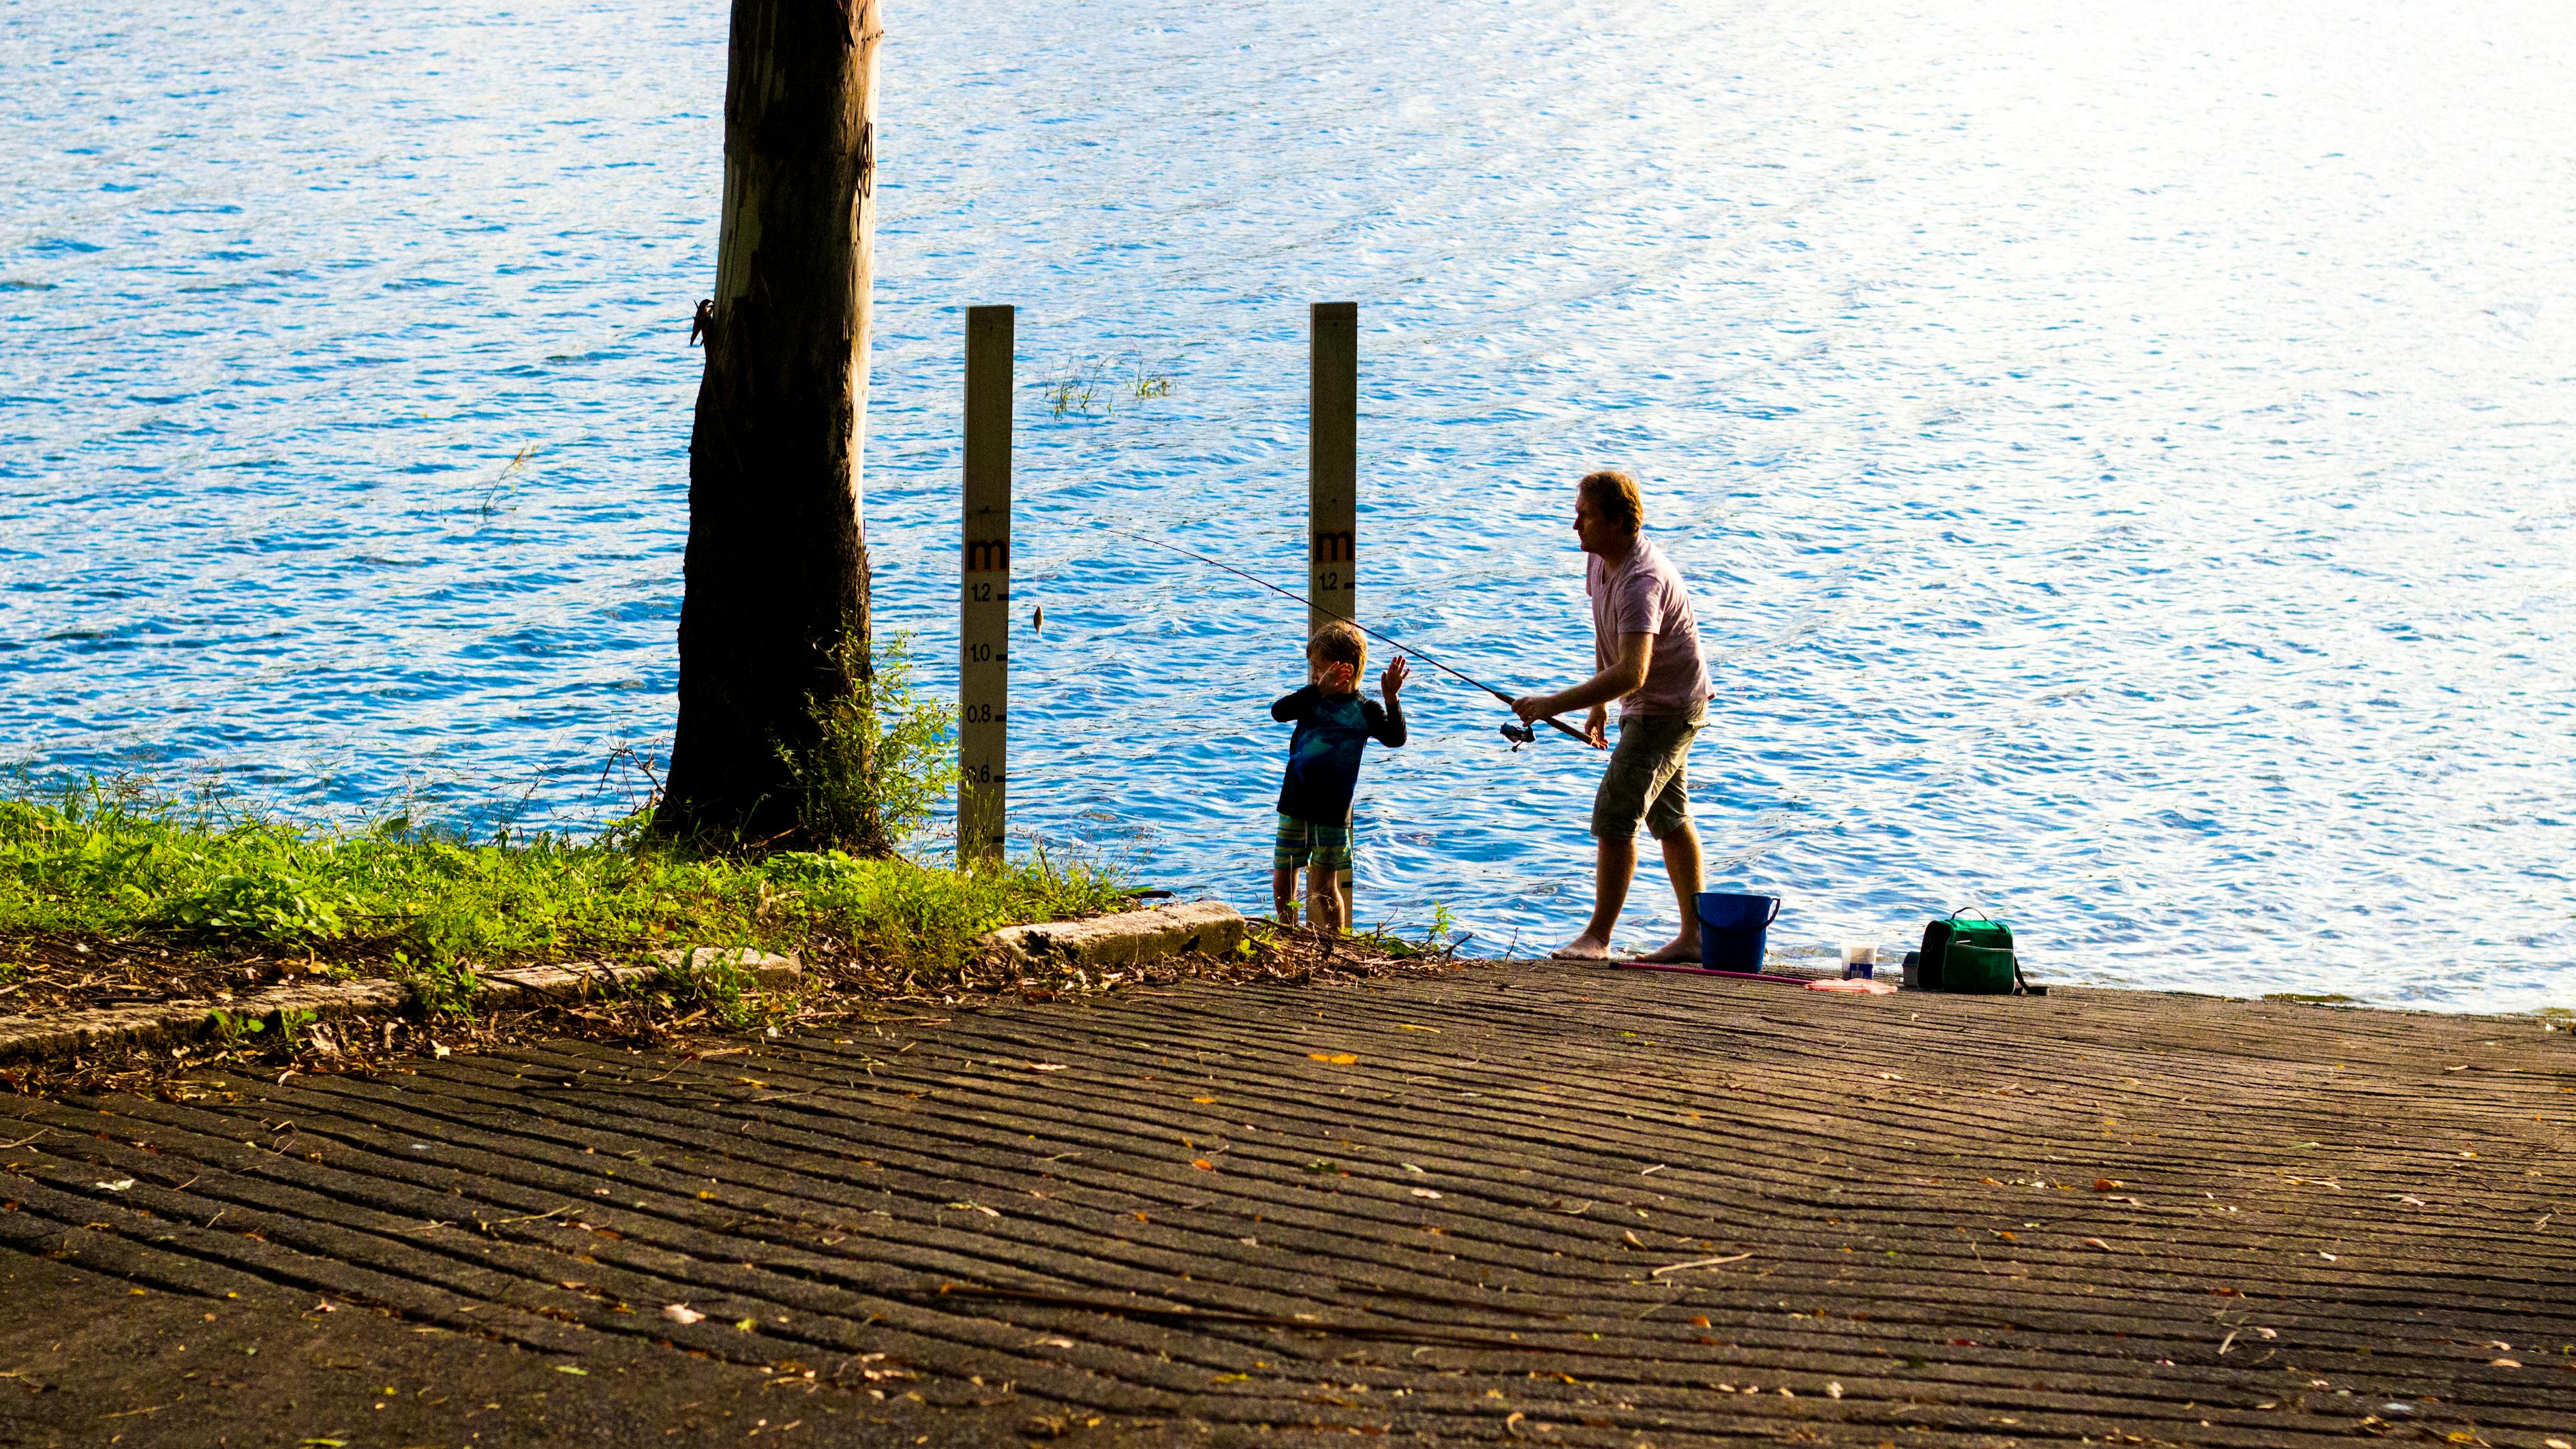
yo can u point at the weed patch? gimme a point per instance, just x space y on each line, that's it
128 890
884 755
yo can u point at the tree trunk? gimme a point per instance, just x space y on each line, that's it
776 573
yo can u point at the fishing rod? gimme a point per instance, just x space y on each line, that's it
1518 734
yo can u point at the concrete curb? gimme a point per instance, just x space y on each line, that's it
64 1033
1208 927
1099 942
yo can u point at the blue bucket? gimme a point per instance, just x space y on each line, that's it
1731 929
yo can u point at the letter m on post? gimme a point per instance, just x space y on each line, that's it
989 555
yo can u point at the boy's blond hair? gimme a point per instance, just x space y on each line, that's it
1340 643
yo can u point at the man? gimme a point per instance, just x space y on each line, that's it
1645 647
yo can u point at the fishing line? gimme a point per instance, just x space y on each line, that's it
1518 735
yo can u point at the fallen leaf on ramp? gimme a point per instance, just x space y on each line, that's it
1339 1059
683 1313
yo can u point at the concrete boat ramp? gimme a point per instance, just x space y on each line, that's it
1528 1203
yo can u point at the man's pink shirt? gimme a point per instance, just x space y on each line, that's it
1645 596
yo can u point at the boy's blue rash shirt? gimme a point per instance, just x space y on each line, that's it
1324 753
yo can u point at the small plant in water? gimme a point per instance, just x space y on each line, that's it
500 481
1072 393
1094 383
1144 384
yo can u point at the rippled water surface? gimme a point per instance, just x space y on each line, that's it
2122 455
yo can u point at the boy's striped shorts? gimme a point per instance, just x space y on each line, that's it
1301 841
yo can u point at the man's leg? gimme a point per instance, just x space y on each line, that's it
1682 864
1283 894
1636 775
1668 817
1614 865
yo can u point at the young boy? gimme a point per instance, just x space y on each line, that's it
1333 725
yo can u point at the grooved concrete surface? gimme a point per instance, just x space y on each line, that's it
1535 1203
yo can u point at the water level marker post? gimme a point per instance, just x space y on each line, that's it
984 601
1332 464
1332 472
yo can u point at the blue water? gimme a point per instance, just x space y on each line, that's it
2125 457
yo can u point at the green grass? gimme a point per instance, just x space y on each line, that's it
120 862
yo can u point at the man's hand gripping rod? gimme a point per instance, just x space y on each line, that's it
1519 734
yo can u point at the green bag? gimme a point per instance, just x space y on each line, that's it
1970 953
1978 970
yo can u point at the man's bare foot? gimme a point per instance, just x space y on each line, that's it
1681 950
1582 948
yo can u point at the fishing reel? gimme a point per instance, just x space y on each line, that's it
1520 734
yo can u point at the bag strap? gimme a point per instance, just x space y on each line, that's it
1979 910
2021 983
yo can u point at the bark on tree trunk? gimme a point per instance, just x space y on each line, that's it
776 572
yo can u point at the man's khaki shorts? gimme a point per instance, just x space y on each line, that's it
1648 778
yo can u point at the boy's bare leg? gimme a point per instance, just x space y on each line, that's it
1323 899
1614 865
1682 864
1283 896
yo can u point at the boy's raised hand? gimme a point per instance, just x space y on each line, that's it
1396 674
